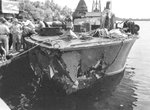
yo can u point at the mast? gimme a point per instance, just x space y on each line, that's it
100 6
96 6
93 5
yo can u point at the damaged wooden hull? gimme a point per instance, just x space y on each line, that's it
80 64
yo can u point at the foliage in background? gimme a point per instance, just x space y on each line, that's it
47 11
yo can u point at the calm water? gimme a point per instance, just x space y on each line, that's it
132 92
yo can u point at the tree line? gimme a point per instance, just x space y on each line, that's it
47 11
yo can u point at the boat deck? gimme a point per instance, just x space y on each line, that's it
65 44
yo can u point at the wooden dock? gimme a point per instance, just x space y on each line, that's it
3 105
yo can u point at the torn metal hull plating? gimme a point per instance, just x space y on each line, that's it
79 67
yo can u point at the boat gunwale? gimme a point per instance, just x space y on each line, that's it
97 44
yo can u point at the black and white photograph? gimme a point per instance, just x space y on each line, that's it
74 55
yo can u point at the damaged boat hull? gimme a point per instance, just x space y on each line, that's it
81 67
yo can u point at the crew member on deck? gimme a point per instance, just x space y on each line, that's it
69 26
28 23
40 25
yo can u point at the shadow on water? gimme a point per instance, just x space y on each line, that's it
82 100
21 92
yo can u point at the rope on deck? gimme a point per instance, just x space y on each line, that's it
26 51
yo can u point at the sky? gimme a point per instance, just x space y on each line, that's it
121 8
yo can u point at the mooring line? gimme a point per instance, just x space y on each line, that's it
26 51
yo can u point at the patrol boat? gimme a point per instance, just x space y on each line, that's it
75 60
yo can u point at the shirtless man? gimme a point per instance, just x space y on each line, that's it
4 32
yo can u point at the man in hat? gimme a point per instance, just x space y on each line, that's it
4 31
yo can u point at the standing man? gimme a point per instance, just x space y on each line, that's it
28 23
9 24
4 32
16 32
40 25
